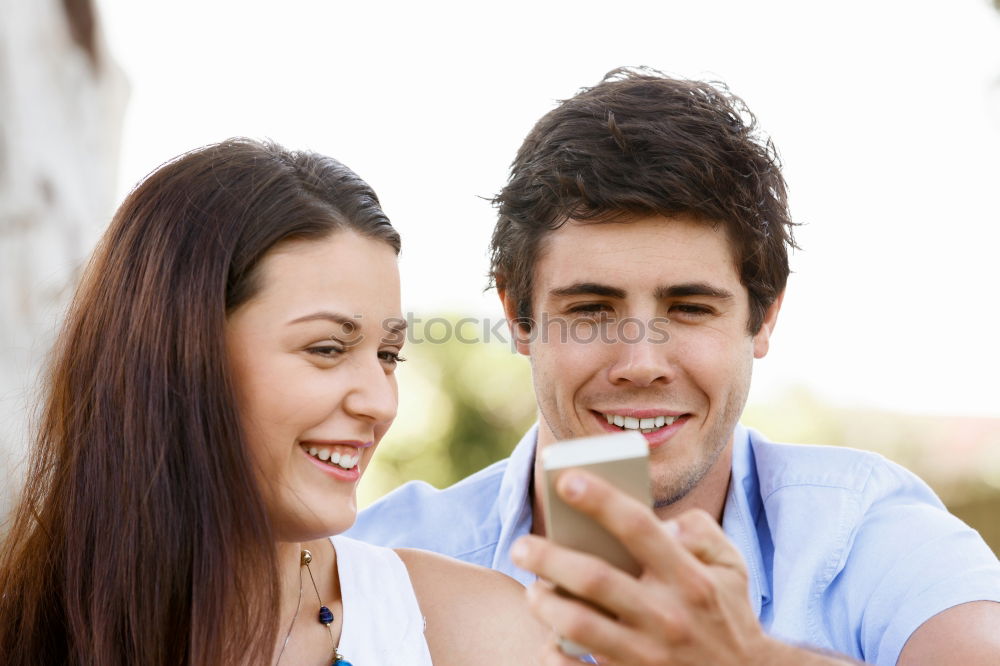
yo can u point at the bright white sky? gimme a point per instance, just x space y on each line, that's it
886 114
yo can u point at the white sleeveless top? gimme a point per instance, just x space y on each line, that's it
383 625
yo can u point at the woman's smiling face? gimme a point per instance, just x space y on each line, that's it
313 356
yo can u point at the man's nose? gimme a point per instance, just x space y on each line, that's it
641 358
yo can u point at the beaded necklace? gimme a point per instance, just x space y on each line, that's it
325 614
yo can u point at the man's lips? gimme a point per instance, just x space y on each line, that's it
657 435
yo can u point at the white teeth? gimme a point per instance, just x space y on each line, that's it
643 425
645 430
345 460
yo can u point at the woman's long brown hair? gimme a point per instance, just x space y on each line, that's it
140 536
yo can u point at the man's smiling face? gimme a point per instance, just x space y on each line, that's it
604 356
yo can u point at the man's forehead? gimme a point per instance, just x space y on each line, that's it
646 253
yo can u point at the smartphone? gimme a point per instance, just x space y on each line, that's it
620 459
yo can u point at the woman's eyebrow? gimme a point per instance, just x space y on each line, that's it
334 317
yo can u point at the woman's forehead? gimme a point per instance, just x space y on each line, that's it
345 274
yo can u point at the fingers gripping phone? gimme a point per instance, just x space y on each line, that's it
620 459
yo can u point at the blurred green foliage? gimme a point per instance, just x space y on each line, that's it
464 405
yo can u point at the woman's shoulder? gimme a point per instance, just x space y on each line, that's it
450 574
473 614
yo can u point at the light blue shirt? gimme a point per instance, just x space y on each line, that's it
846 550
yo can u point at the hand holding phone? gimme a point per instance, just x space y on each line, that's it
620 459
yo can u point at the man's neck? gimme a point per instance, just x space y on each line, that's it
710 493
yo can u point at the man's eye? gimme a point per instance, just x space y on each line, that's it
599 311
691 309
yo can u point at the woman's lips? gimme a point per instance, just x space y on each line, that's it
341 461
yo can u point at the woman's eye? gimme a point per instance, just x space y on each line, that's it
391 358
326 351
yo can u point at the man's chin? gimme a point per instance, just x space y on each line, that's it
670 495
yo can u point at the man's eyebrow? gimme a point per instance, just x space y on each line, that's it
589 289
692 289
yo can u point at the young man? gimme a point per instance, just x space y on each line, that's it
641 258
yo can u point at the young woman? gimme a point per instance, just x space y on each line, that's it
221 382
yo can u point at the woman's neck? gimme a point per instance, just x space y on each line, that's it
290 572
299 602
289 575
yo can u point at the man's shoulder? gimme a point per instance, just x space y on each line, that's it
782 466
455 520
859 550
857 506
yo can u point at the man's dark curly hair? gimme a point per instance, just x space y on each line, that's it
640 143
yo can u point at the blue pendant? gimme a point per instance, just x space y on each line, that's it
342 662
325 616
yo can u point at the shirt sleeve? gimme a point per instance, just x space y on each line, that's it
920 561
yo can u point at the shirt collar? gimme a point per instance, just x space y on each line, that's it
741 515
514 505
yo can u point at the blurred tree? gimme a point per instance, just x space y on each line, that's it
62 102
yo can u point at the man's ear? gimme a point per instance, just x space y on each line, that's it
520 333
762 339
